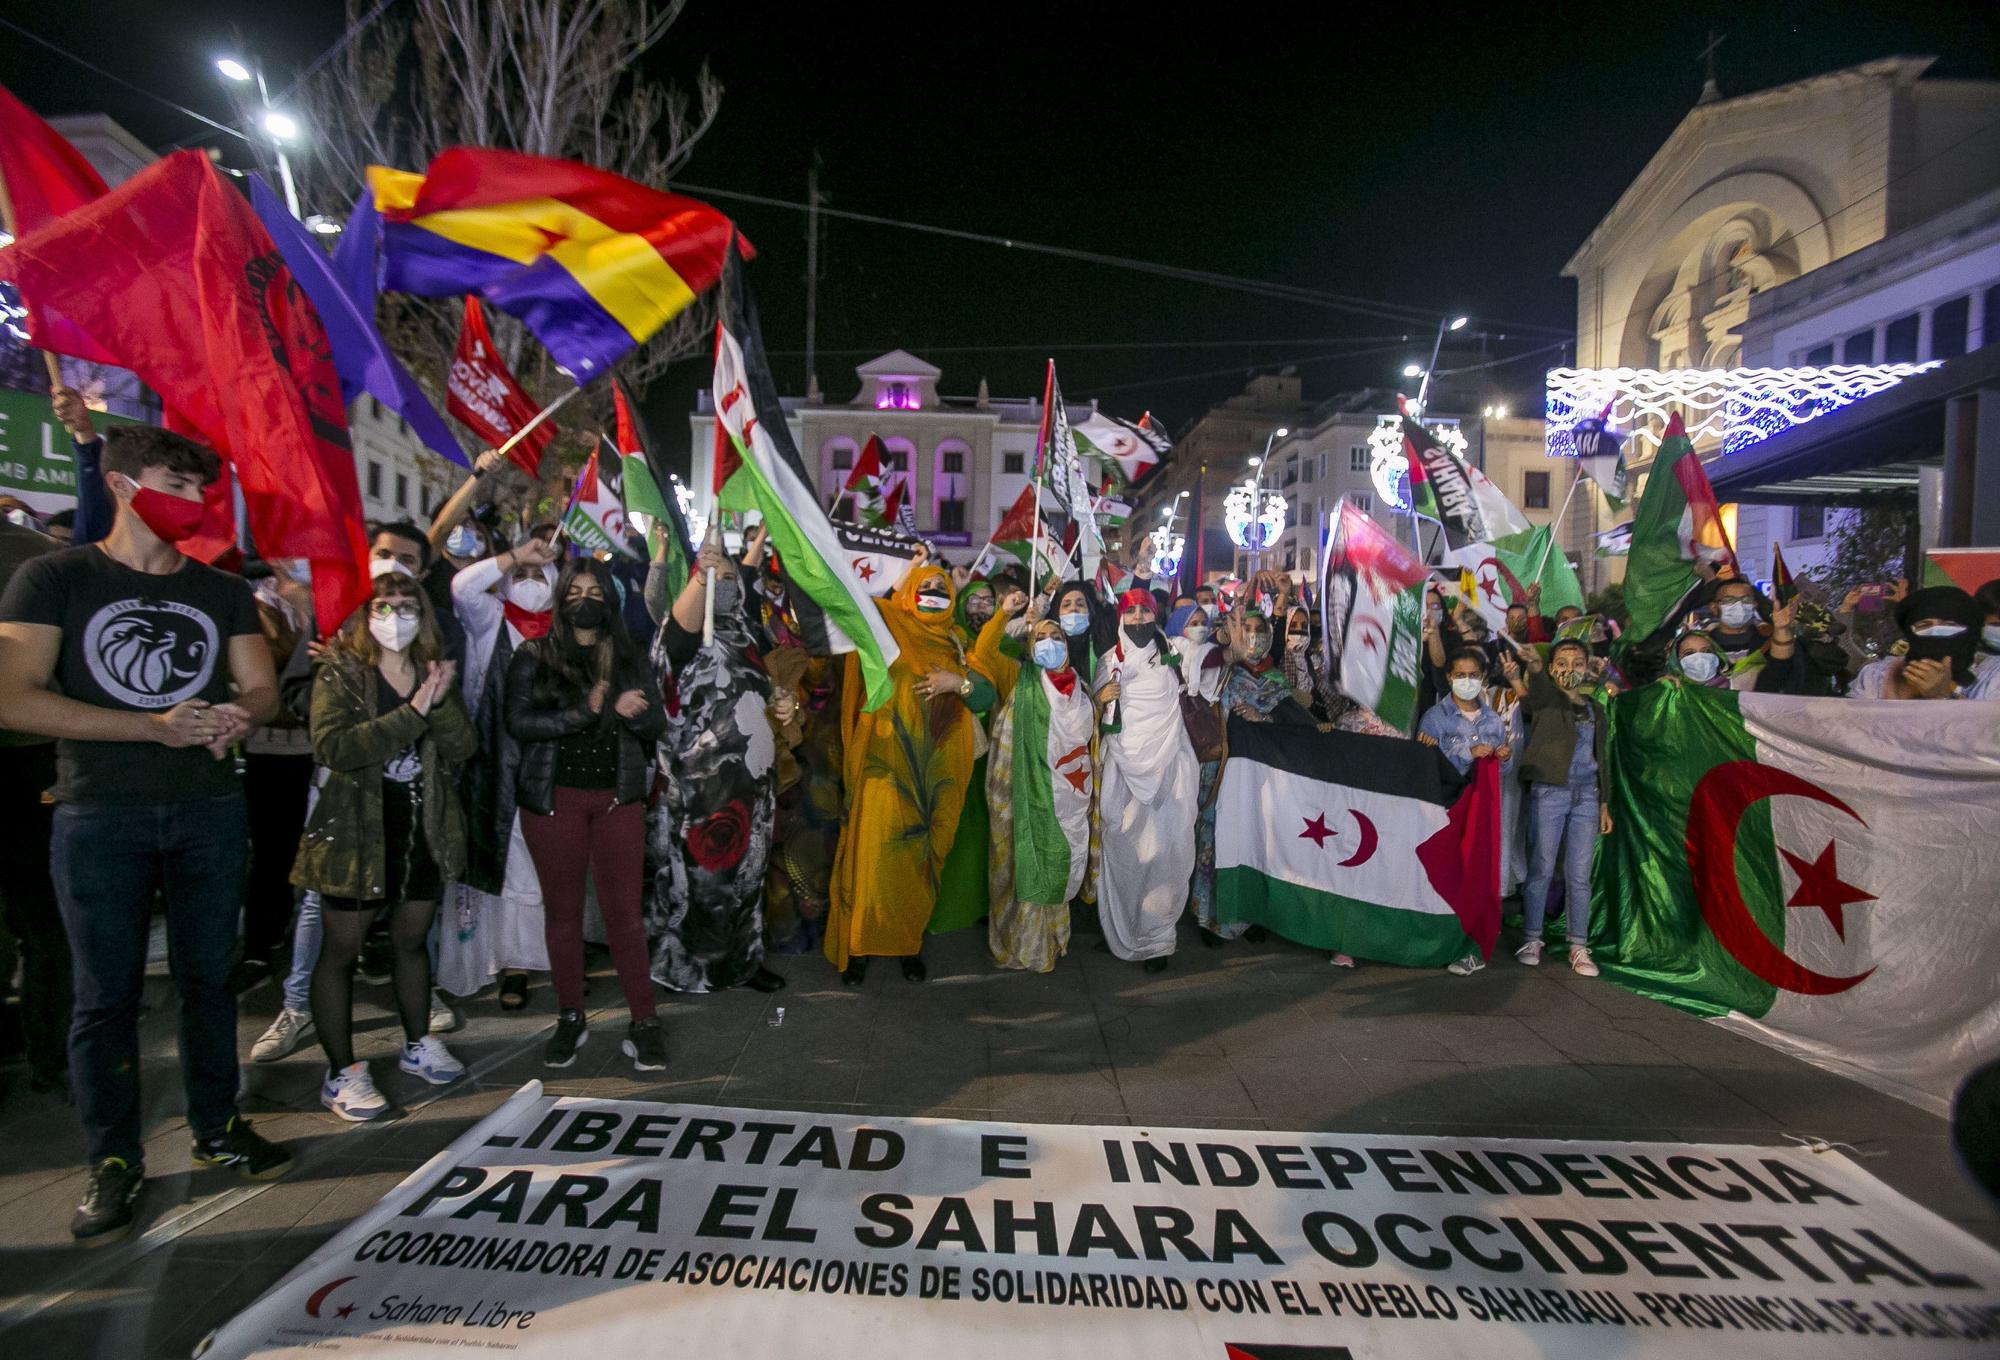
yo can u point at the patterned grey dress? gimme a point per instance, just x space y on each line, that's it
709 835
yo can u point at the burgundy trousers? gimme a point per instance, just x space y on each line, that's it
591 832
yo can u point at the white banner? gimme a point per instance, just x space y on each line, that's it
621 1229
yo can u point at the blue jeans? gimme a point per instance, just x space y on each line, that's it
1564 820
307 933
108 860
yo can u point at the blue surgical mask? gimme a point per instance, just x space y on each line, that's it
1195 632
1076 625
1051 654
1700 667
1989 636
463 542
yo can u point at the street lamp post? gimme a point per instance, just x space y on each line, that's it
279 127
1449 323
1257 497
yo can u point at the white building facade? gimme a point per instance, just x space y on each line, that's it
1835 220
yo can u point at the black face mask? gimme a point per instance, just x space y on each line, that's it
1958 650
584 613
1139 633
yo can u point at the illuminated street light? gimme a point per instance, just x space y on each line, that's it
1413 370
1458 322
232 69
322 225
282 126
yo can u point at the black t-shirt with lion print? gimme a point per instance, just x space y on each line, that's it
139 642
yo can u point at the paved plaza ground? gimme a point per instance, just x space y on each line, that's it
1252 1036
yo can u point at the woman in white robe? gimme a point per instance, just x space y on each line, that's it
1149 789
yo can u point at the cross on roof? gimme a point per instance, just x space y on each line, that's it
1709 89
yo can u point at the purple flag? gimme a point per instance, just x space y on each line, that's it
360 355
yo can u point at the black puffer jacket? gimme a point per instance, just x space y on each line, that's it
538 730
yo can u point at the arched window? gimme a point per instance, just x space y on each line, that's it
899 462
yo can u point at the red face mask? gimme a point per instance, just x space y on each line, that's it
171 518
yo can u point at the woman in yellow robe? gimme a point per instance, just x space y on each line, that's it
907 766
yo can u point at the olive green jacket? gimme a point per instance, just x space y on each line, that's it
343 853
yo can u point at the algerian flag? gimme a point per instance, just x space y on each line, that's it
1372 614
1124 450
1485 582
1363 845
762 467
1677 523
1051 792
1531 558
1819 871
595 521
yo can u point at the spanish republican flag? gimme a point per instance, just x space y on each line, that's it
589 261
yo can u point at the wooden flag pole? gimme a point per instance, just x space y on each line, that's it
537 419
14 230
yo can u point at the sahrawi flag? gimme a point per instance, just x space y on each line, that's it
1363 845
1058 465
1124 450
1836 891
1015 535
595 520
863 491
761 467
1600 456
1461 498
1677 525
1372 615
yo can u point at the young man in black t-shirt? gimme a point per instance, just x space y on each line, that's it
146 667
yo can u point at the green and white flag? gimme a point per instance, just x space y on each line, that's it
1532 559
761 467
1124 450
1372 615
1615 541
1051 788
1360 844
595 519
1818 871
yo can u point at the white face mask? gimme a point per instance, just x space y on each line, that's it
393 632
1466 687
1195 632
529 592
1940 630
1990 636
378 567
1737 613
1700 667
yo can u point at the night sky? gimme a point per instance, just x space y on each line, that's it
1447 161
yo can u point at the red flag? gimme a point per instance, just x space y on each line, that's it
1462 859
43 177
487 400
868 467
1018 524
172 275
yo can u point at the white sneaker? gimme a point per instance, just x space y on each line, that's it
430 1060
1530 953
1466 966
287 1032
1341 961
1579 961
444 1015
351 1094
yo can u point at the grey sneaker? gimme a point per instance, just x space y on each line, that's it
570 1035
1466 966
286 1035
110 1204
444 1015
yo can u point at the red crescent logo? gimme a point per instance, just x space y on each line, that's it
1365 851
1724 794
319 1295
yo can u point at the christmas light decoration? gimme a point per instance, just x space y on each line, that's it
1255 530
1734 407
1388 466
1167 550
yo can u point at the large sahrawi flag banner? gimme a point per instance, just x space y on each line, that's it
1820 871
1372 614
623 1230
1365 845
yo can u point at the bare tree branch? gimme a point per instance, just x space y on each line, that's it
548 77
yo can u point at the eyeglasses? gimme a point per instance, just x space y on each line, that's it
382 609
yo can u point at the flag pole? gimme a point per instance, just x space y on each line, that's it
14 230
538 418
1041 467
1556 523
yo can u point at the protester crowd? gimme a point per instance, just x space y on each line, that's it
513 750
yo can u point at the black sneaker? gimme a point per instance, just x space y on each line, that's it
570 1035
255 1157
111 1204
646 1045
